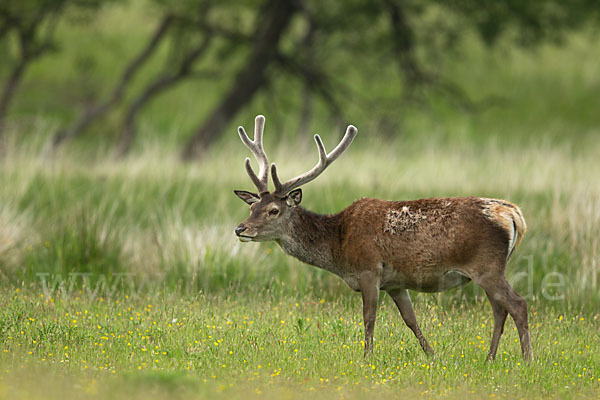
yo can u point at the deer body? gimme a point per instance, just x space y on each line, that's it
427 245
424 245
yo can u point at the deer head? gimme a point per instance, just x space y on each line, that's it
270 212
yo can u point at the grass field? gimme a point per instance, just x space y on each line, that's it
202 346
124 279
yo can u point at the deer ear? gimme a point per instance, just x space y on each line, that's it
248 197
294 197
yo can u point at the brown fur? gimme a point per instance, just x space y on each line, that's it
426 245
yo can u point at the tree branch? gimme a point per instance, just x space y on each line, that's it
26 35
315 79
274 18
116 95
160 84
417 77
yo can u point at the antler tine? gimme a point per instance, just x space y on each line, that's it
281 189
256 147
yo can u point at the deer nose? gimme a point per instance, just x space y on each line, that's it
240 229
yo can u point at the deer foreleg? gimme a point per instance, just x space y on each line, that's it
369 287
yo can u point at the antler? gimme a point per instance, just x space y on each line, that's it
324 161
256 146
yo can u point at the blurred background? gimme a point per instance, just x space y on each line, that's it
118 126
121 74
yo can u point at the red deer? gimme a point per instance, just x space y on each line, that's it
427 245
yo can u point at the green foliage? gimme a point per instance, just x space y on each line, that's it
385 56
33 22
533 21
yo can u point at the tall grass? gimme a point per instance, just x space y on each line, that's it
153 216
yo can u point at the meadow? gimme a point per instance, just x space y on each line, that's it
123 278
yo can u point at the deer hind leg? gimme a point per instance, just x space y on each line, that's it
402 300
499 319
369 287
498 289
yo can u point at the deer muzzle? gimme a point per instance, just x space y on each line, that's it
239 231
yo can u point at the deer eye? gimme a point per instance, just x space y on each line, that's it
274 211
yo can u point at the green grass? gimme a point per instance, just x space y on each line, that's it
87 247
88 243
152 215
246 346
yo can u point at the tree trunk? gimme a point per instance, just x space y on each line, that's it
404 45
8 92
272 22
29 52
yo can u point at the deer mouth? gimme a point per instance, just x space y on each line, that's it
244 238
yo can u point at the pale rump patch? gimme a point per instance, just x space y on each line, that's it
509 217
403 220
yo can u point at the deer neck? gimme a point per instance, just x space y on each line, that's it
313 238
